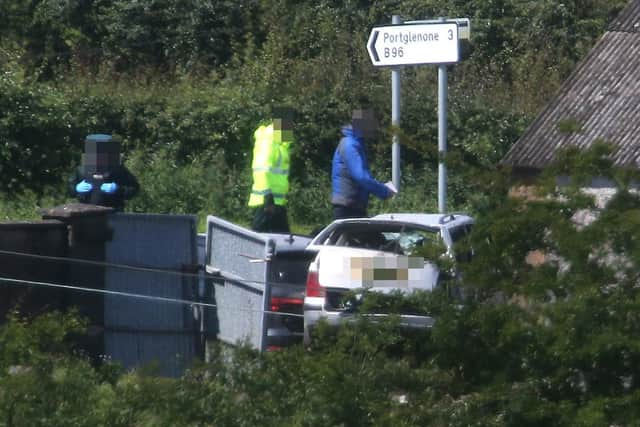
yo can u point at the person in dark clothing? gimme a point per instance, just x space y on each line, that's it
350 176
101 179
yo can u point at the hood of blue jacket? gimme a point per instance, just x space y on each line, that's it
349 132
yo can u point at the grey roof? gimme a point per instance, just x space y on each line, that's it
628 20
599 101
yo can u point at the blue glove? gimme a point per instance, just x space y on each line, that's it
109 187
83 187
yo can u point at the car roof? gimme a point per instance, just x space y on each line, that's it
448 220
433 221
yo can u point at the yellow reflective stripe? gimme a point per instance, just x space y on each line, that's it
276 171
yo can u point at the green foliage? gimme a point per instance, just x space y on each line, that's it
191 80
206 186
42 382
174 37
34 135
26 206
582 166
25 342
581 251
309 197
484 364
131 37
569 125
188 130
531 344
185 84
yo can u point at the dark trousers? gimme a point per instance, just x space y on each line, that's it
271 219
340 212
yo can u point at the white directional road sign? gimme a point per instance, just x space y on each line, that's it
414 44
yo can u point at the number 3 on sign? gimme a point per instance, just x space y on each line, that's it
394 52
450 34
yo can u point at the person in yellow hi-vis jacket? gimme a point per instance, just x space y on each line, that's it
270 167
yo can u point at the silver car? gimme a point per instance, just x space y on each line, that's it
381 254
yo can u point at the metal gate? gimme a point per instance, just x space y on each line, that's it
246 269
237 259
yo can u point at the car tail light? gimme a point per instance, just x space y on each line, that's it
278 303
314 288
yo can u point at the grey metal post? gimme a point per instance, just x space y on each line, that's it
266 296
395 118
442 137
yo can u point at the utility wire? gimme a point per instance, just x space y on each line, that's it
140 296
100 263
132 267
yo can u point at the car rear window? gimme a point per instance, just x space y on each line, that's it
404 240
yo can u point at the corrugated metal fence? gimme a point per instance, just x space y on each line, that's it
140 331
153 301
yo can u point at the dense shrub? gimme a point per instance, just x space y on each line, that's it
530 344
204 135
186 83
192 80
206 186
34 135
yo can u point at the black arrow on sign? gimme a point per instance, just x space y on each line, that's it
372 46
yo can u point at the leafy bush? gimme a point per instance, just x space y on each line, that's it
34 135
206 186
548 344
553 343
26 206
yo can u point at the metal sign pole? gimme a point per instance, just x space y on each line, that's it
419 43
395 118
442 138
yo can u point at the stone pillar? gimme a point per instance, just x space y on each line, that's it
88 232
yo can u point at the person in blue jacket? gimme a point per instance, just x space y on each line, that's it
350 176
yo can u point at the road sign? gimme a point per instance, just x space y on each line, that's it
414 44
464 25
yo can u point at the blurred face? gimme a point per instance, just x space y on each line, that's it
283 129
365 123
101 156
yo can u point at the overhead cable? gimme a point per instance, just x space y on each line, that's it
133 267
140 296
